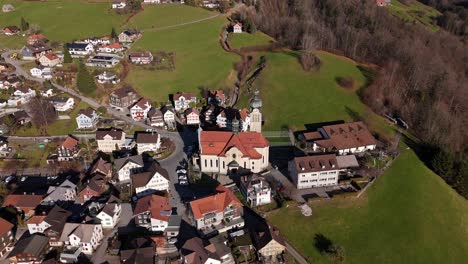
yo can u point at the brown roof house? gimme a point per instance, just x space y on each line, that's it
94 187
68 150
139 250
197 251
148 142
109 140
144 57
30 250
11 30
154 179
123 98
51 224
23 202
268 242
6 236
155 118
109 216
153 212
101 167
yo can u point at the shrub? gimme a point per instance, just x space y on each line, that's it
345 82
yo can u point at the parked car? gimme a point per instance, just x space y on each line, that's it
183 182
172 240
183 177
9 179
23 178
181 171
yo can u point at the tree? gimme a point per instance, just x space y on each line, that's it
336 254
24 24
84 81
42 112
67 58
34 29
102 110
113 34
443 164
191 2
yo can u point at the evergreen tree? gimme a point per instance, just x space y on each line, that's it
84 81
24 24
113 34
66 55
443 164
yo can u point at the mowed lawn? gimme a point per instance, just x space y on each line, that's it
245 39
408 216
415 11
199 61
64 20
157 16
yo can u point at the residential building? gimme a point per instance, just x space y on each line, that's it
192 116
109 140
51 224
31 249
110 215
139 250
344 138
111 48
210 114
255 189
47 92
94 187
103 60
123 98
87 118
153 212
169 116
62 104
49 59
237 28
216 97
11 30
225 152
68 150
268 242
106 40
21 117
102 168
65 192
221 119
148 142
107 77
34 52
79 49
119 4
129 36
139 111
7 8
85 236
21 95
182 100
6 236
41 72
141 57
124 167
195 250
154 179
26 203
221 212
155 118
36 38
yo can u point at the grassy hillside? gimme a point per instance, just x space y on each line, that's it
409 216
64 20
244 40
415 12
199 60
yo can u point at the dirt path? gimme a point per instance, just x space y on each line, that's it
181 24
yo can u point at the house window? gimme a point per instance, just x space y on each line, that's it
211 163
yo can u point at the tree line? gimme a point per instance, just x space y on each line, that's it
422 75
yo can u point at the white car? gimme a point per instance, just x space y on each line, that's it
150 130
9 179
183 182
23 178
183 177
181 171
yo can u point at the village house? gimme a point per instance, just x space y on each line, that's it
153 212
79 49
268 243
216 97
123 98
319 170
182 100
105 40
109 140
221 119
85 236
49 59
50 224
221 212
87 118
154 179
192 116
169 116
94 187
24 92
36 38
34 52
124 167
47 92
42 72
110 215
31 249
7 8
11 30
148 142
244 119
138 250
107 77
62 104
119 4
6 236
224 152
68 150
64 193
102 168
255 189
155 118
141 57
210 113
139 111
342 138
11 81
195 250
103 60
111 48
237 28
21 117
129 36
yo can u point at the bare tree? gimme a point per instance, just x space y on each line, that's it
42 112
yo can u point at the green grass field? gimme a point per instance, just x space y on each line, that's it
415 12
409 216
64 20
199 61
157 16
245 39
